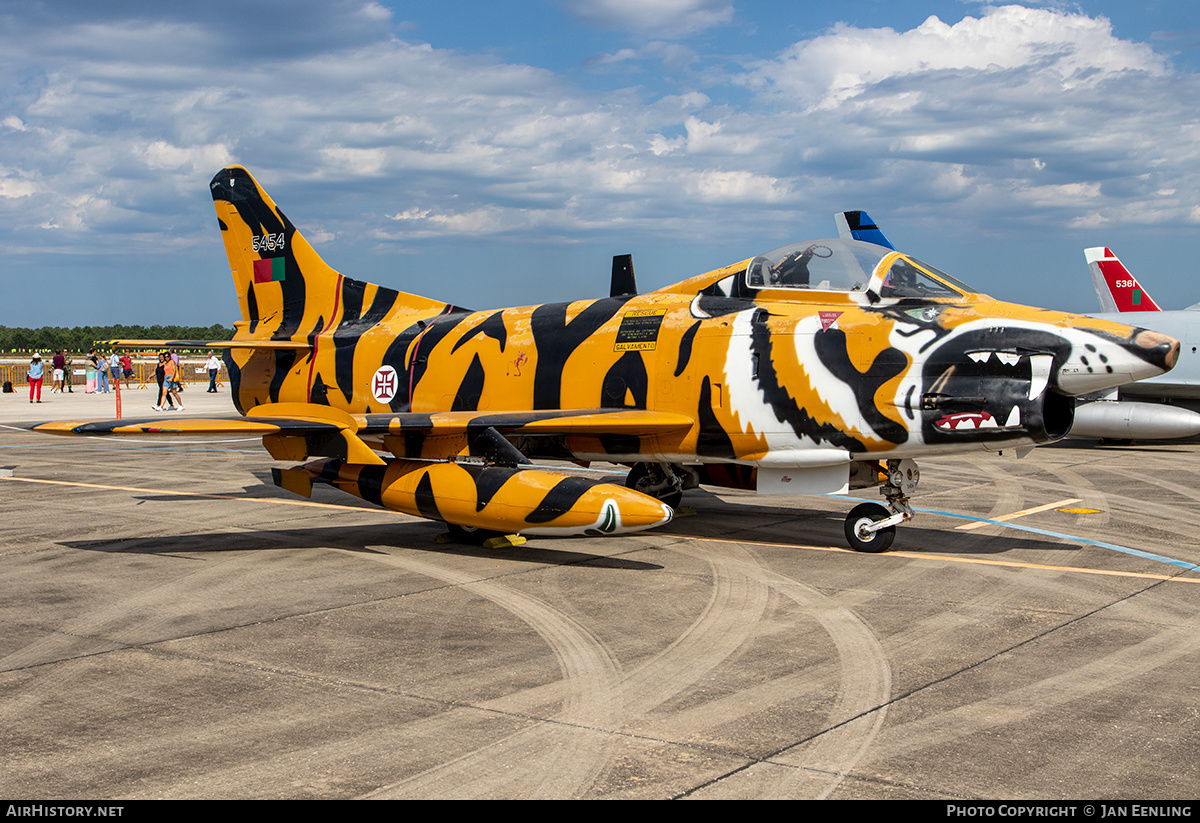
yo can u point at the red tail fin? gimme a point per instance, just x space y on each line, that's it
1117 289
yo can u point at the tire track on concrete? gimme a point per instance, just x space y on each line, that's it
560 751
737 603
1065 687
1009 494
818 765
730 617
556 759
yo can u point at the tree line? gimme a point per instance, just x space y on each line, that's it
83 338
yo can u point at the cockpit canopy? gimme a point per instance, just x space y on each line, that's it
849 266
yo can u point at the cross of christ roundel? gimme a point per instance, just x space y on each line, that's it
384 384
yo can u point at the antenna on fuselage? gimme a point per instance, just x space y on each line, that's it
623 282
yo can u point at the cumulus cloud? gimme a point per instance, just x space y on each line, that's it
1028 117
1072 49
1048 112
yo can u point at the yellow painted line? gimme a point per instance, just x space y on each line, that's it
946 558
189 494
979 524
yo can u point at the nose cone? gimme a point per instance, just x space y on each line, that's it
1162 351
1112 356
605 508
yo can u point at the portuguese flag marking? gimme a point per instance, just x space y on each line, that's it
268 269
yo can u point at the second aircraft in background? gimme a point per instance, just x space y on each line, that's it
1161 407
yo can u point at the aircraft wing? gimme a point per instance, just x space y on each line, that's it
301 417
161 424
296 431
206 344
566 421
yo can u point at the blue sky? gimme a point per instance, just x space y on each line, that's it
497 154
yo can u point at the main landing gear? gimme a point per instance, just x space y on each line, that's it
662 481
870 527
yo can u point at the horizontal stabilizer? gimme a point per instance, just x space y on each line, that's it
161 424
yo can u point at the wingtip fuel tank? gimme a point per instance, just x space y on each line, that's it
494 498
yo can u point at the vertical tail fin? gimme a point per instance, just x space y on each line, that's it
285 290
1116 289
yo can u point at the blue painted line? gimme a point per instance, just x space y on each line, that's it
1183 564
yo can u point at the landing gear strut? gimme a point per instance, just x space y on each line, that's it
662 481
469 535
870 527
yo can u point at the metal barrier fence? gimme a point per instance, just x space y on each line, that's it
76 375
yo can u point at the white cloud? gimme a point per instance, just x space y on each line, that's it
1048 112
10 188
659 17
195 159
714 138
1019 116
355 162
1070 48
739 187
671 55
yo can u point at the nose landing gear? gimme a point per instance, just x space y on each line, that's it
870 527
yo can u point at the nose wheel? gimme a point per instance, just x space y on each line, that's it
861 532
871 527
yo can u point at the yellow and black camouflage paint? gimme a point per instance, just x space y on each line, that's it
712 371
755 371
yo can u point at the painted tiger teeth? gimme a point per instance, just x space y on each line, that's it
1005 357
1039 373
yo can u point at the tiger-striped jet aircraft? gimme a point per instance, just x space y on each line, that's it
815 368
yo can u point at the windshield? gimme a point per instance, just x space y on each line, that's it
904 279
827 265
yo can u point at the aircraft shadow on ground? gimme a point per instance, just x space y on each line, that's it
1155 446
757 523
714 518
419 536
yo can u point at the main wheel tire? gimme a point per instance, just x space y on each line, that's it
874 542
636 480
